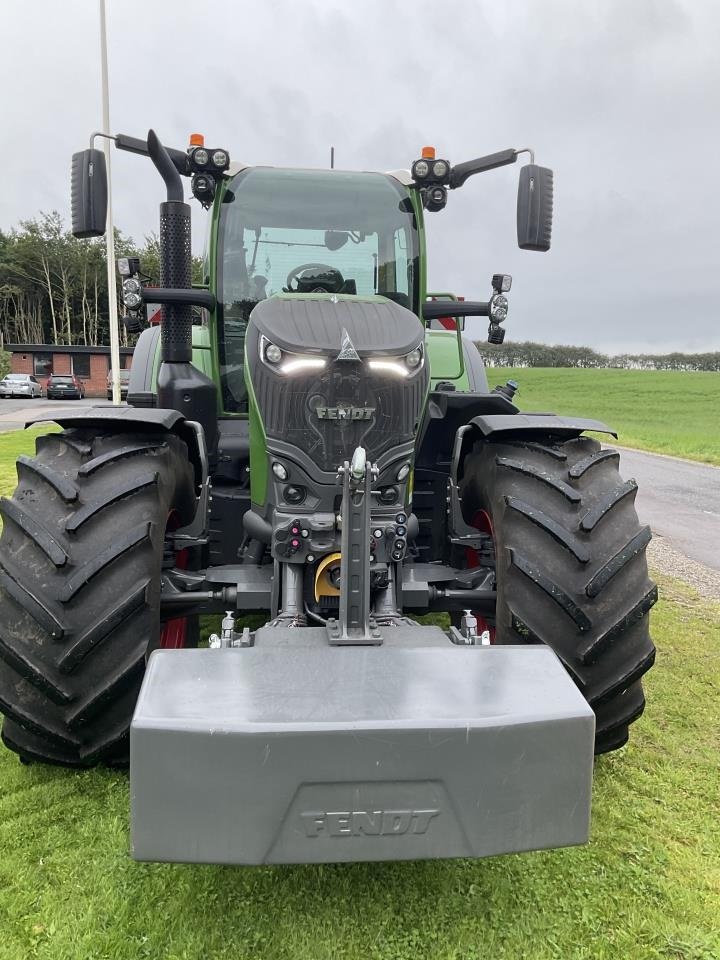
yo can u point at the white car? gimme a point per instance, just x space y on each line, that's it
20 385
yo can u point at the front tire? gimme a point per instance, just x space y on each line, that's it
80 571
570 566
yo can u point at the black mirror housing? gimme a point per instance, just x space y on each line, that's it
534 207
88 193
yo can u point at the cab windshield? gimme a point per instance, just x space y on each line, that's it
307 231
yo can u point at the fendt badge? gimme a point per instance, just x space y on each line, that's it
367 823
345 413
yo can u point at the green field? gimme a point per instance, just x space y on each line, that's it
647 887
664 411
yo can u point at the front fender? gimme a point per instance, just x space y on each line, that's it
125 418
532 424
519 426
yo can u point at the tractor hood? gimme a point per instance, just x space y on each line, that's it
348 400
315 323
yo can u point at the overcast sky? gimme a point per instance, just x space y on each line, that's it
620 97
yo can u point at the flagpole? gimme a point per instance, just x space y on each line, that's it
109 234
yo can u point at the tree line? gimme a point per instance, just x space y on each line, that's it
53 287
527 353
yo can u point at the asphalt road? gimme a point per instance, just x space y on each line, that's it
678 498
14 412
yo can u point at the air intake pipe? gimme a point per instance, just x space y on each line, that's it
180 385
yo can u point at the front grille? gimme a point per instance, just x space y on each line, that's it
289 408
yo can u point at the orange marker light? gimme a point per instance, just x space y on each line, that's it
197 140
428 153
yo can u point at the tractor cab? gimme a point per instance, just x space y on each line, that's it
285 231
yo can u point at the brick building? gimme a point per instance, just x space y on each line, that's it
89 364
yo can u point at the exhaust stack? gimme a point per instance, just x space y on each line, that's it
180 385
175 256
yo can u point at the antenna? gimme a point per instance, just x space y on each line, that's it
332 158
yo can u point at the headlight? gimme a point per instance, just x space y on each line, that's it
501 282
220 159
414 358
389 366
400 366
200 157
435 199
498 308
296 364
203 188
132 300
273 353
441 169
287 363
420 169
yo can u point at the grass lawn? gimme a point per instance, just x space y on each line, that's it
664 411
647 887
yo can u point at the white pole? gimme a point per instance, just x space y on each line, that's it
109 236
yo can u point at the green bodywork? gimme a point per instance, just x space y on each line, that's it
446 359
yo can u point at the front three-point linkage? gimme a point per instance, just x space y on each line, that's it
354 624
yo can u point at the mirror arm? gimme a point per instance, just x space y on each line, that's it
461 171
99 133
188 296
434 309
135 145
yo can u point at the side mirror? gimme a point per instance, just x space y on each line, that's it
88 193
534 207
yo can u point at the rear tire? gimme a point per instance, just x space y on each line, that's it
80 572
570 566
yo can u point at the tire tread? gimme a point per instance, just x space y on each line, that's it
571 572
74 635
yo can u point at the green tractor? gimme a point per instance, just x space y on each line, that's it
311 445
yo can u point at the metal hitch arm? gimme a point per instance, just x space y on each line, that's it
355 625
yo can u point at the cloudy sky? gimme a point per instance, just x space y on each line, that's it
620 97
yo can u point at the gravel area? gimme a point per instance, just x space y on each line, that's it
666 559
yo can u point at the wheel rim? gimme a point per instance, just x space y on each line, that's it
173 634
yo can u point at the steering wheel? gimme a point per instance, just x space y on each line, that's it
325 279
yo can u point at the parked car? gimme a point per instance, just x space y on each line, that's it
20 385
64 387
124 381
